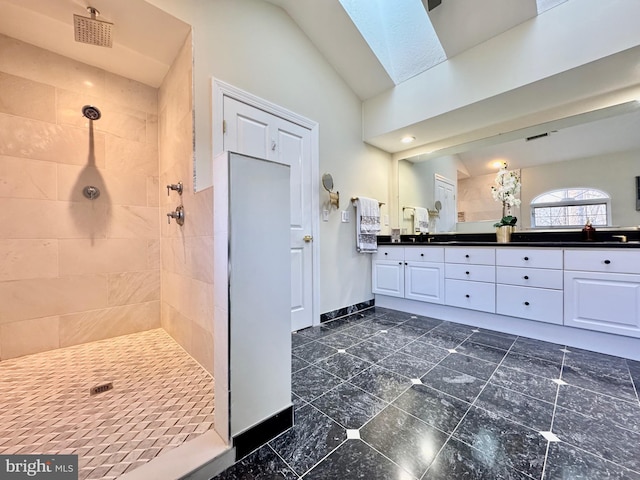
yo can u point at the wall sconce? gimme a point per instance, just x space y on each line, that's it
327 183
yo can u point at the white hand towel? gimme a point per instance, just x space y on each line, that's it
420 220
367 224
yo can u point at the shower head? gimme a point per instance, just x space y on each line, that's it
92 31
91 112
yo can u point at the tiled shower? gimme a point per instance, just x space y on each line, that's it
78 270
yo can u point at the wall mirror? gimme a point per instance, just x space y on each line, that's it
599 150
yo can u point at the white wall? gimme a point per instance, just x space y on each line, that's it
255 46
614 174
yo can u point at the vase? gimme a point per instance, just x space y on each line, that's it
503 233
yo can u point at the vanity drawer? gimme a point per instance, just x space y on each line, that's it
612 260
390 253
477 273
530 277
473 295
424 254
470 255
529 257
538 304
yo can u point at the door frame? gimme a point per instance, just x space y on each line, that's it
440 178
222 89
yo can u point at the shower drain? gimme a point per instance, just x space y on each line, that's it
105 387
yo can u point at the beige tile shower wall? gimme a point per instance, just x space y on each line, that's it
187 251
74 270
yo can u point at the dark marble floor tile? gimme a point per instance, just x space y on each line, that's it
484 352
382 383
384 323
425 351
408 331
298 339
298 364
404 439
624 414
433 407
454 329
617 387
472 366
460 385
442 339
263 464
598 363
356 460
297 401
396 316
528 411
515 446
423 323
315 332
533 365
313 436
391 340
313 351
567 463
533 385
339 340
341 323
600 437
363 330
349 405
537 348
633 365
368 313
503 342
369 351
311 382
406 365
344 365
460 461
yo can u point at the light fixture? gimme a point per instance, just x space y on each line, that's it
407 139
498 164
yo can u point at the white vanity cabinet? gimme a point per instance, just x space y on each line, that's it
602 290
416 273
529 284
388 271
470 276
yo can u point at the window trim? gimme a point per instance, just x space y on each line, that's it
606 200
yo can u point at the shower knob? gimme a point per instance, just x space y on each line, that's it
174 186
177 215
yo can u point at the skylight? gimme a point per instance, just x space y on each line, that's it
399 33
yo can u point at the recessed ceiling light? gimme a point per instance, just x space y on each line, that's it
408 139
498 164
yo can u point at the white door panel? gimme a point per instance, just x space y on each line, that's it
252 131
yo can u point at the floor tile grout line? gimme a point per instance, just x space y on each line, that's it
268 445
553 415
635 387
598 455
323 458
383 455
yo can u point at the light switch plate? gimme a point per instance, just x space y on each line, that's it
325 215
345 216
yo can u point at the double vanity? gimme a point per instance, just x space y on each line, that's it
585 294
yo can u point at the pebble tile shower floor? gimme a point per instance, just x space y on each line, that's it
161 398
392 396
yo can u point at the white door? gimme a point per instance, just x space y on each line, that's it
445 193
253 132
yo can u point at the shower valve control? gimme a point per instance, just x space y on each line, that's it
174 186
177 215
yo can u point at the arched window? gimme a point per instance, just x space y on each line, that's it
571 207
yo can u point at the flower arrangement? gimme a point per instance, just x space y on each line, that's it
507 186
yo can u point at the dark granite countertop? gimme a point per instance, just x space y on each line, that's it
557 239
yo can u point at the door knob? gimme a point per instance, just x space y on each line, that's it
307 238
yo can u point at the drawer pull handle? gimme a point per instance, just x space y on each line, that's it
607 262
466 256
467 273
526 277
399 263
422 254
386 253
526 258
467 295
405 263
526 303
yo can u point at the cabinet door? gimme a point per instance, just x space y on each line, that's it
388 278
606 302
424 281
